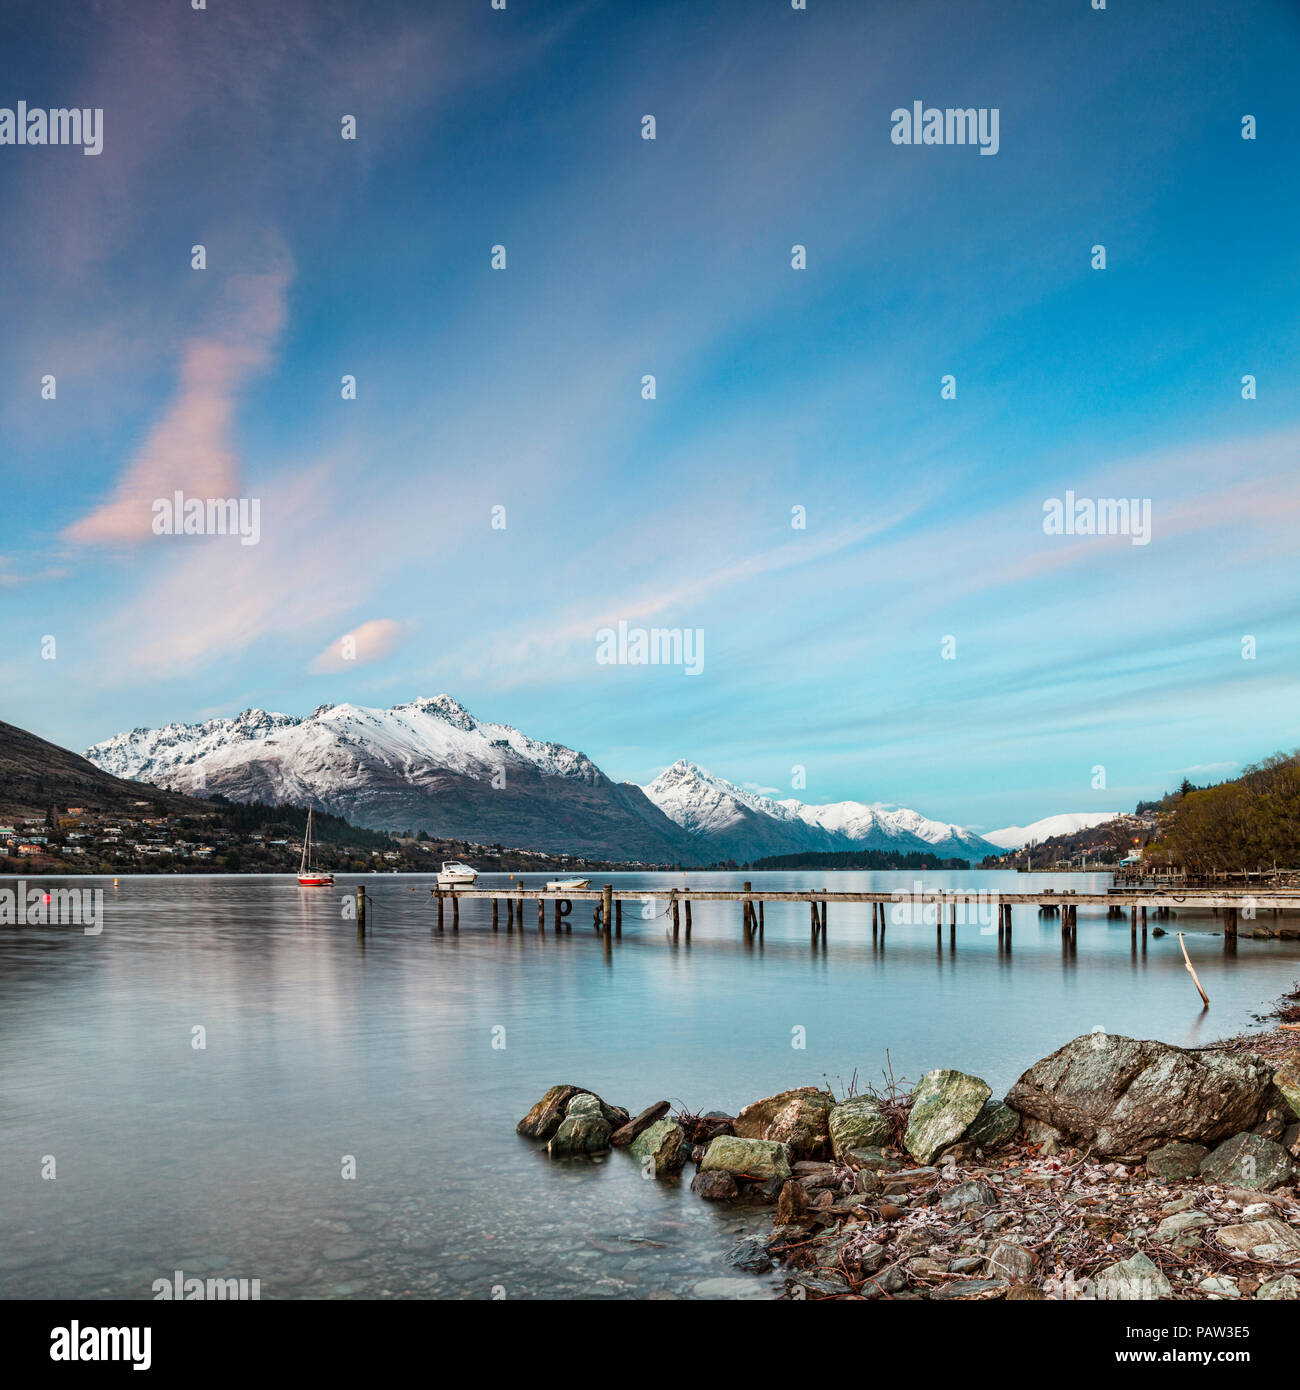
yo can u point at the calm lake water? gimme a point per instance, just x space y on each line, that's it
226 1161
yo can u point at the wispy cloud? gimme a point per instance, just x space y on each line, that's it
190 447
369 641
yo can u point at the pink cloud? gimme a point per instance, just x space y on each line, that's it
368 642
189 448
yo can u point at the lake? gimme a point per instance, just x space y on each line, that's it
227 1160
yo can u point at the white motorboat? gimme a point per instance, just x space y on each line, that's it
456 875
560 885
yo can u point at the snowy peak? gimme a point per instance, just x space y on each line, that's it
701 802
427 764
706 805
319 753
1017 836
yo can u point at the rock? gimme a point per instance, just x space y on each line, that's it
888 1281
751 1254
968 1194
871 1161
1250 1161
944 1105
1134 1278
907 1179
1047 1137
1287 1080
799 1119
626 1133
1009 1261
715 1187
1176 1229
615 1116
995 1125
1272 1241
971 1290
663 1144
1125 1097
1291 1140
544 1118
859 1123
1288 1287
584 1129
1272 1126
1175 1162
824 1284
792 1205
1218 1286
746 1158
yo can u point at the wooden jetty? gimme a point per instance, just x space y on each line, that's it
936 906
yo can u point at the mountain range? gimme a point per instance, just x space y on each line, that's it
431 765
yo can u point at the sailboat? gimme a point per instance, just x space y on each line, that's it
309 877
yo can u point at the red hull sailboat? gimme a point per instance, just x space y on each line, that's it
308 876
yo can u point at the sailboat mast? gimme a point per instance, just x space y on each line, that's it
306 845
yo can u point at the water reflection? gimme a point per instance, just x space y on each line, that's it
326 1038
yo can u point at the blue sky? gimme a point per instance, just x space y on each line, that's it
776 388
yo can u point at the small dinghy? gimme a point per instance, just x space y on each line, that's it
561 885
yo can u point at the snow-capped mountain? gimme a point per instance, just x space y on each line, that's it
729 822
431 765
424 765
1017 836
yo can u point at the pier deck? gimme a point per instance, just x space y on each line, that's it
943 904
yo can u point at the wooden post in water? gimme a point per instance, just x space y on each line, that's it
439 894
677 915
496 909
618 918
1205 998
541 914
1230 922
455 911
510 914
688 919
607 902
361 906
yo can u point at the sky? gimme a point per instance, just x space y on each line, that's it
863 554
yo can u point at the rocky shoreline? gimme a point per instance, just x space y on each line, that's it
1115 1168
